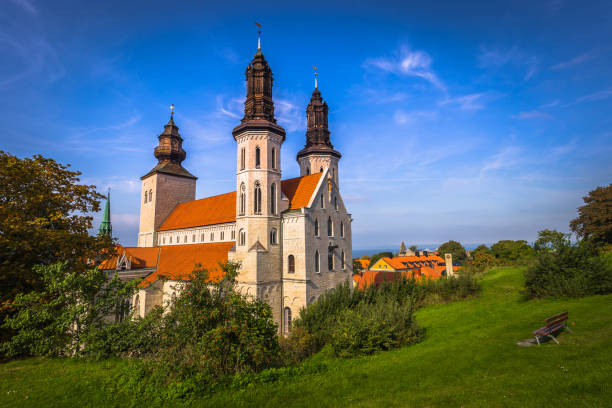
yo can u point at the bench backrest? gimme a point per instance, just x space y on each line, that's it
561 317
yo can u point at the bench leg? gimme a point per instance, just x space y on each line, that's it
568 329
538 339
553 337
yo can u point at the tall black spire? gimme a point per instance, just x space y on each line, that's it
317 131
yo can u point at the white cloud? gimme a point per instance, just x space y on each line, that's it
465 102
401 117
534 114
406 62
597 96
579 59
505 158
291 116
514 56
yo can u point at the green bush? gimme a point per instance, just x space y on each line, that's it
573 270
369 328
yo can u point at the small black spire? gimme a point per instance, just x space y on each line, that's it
317 131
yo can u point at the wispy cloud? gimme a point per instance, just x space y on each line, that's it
465 102
505 158
401 117
290 114
579 59
407 62
550 104
514 56
534 114
26 5
597 96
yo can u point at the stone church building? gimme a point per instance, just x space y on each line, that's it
292 237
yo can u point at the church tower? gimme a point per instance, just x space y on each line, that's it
166 185
258 188
319 153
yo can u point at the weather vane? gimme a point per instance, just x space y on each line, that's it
315 75
258 35
172 110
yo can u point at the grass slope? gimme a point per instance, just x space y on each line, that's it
469 358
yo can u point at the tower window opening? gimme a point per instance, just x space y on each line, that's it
336 203
273 158
307 171
321 170
322 205
342 266
257 157
212 236
202 238
316 260
291 264
273 238
145 196
222 233
330 259
242 201
273 199
242 237
150 195
330 227
257 198
242 158
341 229
316 227
233 234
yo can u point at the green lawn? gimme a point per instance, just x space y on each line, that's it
469 357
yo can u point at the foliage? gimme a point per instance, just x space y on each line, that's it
482 258
374 258
369 328
58 319
455 248
356 267
594 219
569 270
42 221
413 248
508 252
550 240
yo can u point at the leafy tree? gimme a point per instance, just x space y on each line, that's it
356 267
455 248
482 258
511 252
57 319
550 240
414 248
379 255
43 220
595 217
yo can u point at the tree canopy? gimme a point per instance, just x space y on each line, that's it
44 219
509 252
455 248
595 216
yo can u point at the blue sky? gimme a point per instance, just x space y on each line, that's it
473 121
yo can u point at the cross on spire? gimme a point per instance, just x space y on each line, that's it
258 36
315 75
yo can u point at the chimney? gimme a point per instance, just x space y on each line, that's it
449 265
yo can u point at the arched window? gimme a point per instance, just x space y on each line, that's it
273 198
242 201
321 170
242 158
212 236
316 259
145 196
341 229
316 227
273 158
202 238
241 237
222 233
307 170
233 234
342 260
193 238
273 236
257 157
291 262
287 319
170 239
330 259
185 239
330 227
257 198
150 195
163 240
336 203
322 205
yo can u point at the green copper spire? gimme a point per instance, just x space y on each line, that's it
106 227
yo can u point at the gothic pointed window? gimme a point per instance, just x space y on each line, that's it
257 157
336 203
341 229
307 171
241 237
273 158
322 204
145 196
287 319
222 235
212 236
273 198
150 195
257 198
316 227
342 260
330 259
291 264
321 170
273 237
242 202
330 227
316 260
242 158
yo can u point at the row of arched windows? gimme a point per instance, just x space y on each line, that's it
257 207
273 163
202 237
330 228
148 196
330 260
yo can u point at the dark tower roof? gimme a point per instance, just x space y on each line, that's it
106 227
317 131
259 106
169 152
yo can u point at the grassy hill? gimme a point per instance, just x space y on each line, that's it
469 358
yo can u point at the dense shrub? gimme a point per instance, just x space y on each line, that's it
570 270
508 252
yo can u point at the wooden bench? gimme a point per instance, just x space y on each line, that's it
553 324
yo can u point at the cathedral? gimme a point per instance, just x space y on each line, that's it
291 237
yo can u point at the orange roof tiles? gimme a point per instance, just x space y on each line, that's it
139 257
299 190
364 263
178 261
206 211
222 208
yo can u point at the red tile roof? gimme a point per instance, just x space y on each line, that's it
139 257
222 208
178 261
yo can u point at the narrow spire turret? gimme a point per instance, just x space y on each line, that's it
317 131
106 228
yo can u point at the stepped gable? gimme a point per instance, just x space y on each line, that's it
177 262
222 208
